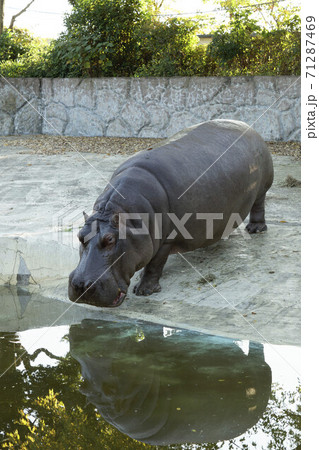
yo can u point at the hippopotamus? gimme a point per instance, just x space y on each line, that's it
188 193
180 387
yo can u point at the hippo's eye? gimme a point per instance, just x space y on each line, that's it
81 238
108 240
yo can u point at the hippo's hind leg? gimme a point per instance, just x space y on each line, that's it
152 272
257 216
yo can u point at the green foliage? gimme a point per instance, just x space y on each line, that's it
14 43
101 39
245 48
22 55
233 40
122 38
167 48
30 64
107 38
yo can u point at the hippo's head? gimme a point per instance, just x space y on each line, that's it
107 262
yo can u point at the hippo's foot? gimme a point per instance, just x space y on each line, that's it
256 227
152 272
146 287
257 222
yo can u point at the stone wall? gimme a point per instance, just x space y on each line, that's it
148 107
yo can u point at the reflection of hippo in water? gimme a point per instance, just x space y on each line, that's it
186 387
203 178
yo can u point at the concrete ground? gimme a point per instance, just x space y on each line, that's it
254 282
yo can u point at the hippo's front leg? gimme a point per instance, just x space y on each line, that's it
152 272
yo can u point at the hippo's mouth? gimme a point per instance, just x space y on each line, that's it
119 299
91 301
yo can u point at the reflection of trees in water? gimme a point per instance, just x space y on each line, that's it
20 387
83 428
65 420
12 382
31 417
282 419
62 428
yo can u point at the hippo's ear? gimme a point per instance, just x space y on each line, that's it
85 216
115 220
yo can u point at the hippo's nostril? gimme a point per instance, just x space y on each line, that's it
89 285
76 284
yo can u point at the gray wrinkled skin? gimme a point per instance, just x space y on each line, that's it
152 182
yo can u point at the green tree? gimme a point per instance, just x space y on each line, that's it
14 44
22 55
167 48
243 47
126 38
234 40
101 38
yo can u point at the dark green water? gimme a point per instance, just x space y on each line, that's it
106 384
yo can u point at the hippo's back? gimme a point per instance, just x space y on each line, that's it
219 158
